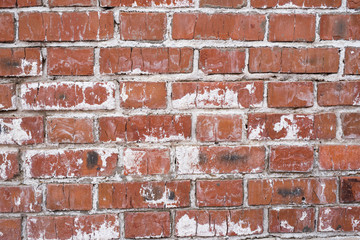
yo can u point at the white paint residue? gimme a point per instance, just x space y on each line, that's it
171 138
1 234
186 226
303 216
255 133
242 228
292 129
106 231
5 166
187 158
33 68
12 132
146 191
251 88
356 100
354 223
17 201
133 160
186 102
321 226
214 98
208 230
286 225
123 94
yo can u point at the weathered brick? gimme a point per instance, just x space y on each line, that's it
70 61
105 226
112 129
296 3
349 189
218 26
219 128
352 61
294 60
216 223
16 199
142 26
291 28
20 62
69 197
144 194
339 157
335 27
221 60
21 130
7 27
145 60
149 3
65 26
219 193
9 164
7 97
188 95
290 94
339 93
19 3
70 163
291 159
147 224
70 130
222 3
143 95
10 228
292 220
146 161
72 3
292 191
220 160
68 95
355 4
339 219
351 125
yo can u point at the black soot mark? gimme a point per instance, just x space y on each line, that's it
233 158
92 159
171 195
284 192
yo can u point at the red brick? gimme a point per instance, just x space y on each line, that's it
7 97
146 161
218 26
69 197
292 191
219 193
16 199
20 62
216 223
70 61
145 60
292 220
290 94
112 129
263 126
291 159
7 27
147 224
68 95
22 130
351 125
105 226
215 60
219 128
10 228
9 164
142 26
339 157
70 130
352 61
340 27
355 4
296 3
144 194
149 3
187 95
339 93
291 28
350 189
339 219
71 163
222 160
66 26
72 3
158 128
294 60
222 3
19 3
143 94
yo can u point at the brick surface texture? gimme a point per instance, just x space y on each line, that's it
179 119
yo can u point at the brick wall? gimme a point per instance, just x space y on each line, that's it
179 118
